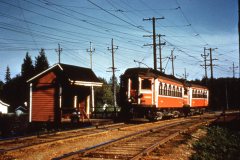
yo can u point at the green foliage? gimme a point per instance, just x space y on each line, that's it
219 144
15 92
8 75
10 124
41 62
103 94
27 67
1 88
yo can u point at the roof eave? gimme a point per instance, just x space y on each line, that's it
45 71
86 83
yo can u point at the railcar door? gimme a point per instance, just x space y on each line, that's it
133 90
147 91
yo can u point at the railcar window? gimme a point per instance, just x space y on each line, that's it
194 94
198 94
161 89
173 91
135 83
165 89
205 95
177 92
185 91
180 92
146 84
169 90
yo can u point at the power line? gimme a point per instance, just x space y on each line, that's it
117 16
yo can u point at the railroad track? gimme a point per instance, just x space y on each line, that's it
45 139
134 145
53 145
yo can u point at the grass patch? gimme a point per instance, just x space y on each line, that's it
220 143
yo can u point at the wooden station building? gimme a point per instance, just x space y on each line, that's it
59 90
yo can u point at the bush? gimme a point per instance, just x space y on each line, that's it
219 144
10 124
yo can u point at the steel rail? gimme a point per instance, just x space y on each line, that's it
87 150
41 142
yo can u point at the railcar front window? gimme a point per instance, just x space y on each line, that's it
134 83
146 84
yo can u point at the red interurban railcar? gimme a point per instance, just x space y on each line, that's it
145 92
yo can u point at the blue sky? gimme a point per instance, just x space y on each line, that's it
189 26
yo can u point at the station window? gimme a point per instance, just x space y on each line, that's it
146 84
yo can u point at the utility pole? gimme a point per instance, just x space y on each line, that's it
211 61
153 19
90 50
160 50
59 50
233 68
112 49
205 61
239 35
185 74
172 58
211 65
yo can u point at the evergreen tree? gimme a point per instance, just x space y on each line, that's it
1 88
27 67
41 62
8 75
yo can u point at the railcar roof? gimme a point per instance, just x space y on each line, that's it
198 86
155 73
150 72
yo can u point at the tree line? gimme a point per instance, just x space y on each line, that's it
15 90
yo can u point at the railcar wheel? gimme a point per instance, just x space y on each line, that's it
176 114
159 115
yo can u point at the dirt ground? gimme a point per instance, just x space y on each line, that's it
179 148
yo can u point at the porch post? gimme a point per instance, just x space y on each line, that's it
30 104
88 106
92 97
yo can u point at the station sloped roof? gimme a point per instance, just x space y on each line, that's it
71 72
76 73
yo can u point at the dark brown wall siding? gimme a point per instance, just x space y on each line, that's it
43 98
